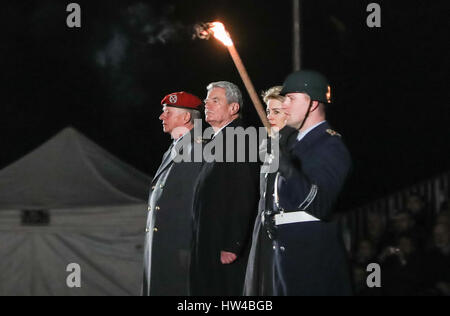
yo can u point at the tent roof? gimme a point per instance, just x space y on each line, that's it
69 171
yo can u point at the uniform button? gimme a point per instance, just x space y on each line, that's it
157 208
155 229
149 209
147 230
161 186
282 249
153 187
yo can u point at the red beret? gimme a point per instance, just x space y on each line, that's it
183 100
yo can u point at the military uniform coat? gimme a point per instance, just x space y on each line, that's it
304 258
169 224
225 205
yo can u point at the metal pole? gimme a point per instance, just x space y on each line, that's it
296 52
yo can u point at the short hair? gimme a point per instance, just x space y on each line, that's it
273 93
195 115
232 92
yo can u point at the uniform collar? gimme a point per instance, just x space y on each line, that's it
175 141
302 135
310 138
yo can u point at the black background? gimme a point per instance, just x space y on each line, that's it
390 84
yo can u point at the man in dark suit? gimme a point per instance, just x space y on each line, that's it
225 201
169 223
297 245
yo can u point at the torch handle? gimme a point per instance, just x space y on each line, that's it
249 85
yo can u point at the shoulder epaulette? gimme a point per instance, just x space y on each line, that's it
333 133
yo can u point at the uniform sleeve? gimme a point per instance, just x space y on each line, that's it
313 186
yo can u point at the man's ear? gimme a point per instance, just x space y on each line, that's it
314 106
187 117
234 108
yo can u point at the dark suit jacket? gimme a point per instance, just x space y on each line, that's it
225 205
169 224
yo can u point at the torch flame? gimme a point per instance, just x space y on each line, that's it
221 34
204 31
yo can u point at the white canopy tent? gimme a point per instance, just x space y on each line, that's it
70 201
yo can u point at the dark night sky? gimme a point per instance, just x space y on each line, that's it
107 78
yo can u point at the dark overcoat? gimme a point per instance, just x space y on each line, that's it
303 258
225 206
169 223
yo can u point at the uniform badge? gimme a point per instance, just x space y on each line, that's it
199 140
333 133
173 98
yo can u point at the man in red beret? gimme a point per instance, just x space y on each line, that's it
169 223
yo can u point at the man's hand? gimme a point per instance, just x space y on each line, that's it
227 257
288 163
288 136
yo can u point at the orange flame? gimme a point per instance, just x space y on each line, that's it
221 34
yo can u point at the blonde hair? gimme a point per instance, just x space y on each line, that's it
273 93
